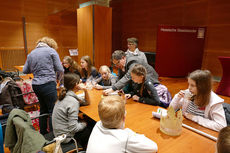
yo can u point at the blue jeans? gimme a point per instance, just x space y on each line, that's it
47 96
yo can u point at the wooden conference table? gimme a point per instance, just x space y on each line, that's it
139 119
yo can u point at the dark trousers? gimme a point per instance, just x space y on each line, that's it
82 137
47 96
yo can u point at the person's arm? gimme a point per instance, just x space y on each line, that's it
144 57
177 101
124 80
74 124
57 65
113 80
86 100
137 143
26 67
154 98
217 122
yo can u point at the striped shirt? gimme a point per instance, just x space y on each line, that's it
194 109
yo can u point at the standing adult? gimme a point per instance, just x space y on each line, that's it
45 64
133 50
124 64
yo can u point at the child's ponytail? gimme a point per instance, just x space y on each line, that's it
62 93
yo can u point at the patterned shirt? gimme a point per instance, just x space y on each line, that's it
195 110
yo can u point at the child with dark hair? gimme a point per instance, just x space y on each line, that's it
144 90
65 114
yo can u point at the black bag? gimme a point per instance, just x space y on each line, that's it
227 112
12 94
13 75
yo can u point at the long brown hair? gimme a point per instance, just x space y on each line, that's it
73 64
203 80
89 66
139 70
70 81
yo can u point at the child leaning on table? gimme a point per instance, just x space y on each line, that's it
106 80
203 105
109 135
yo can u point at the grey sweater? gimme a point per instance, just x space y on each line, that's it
107 83
126 77
138 53
65 116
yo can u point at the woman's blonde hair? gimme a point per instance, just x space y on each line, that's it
49 41
111 110
105 68
139 70
89 66
73 64
203 80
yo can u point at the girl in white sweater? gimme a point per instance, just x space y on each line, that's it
203 105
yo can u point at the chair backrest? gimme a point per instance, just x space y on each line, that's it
20 135
227 112
1 139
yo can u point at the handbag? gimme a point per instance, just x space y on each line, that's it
54 146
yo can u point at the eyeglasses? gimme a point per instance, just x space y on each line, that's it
117 63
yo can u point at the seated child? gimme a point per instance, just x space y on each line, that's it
145 91
203 106
109 135
106 80
65 114
87 70
223 141
70 65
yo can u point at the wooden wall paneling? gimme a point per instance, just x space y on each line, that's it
11 34
218 38
213 14
35 10
11 10
211 61
216 45
195 14
219 12
85 31
10 58
116 24
52 18
142 22
35 31
68 33
102 35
